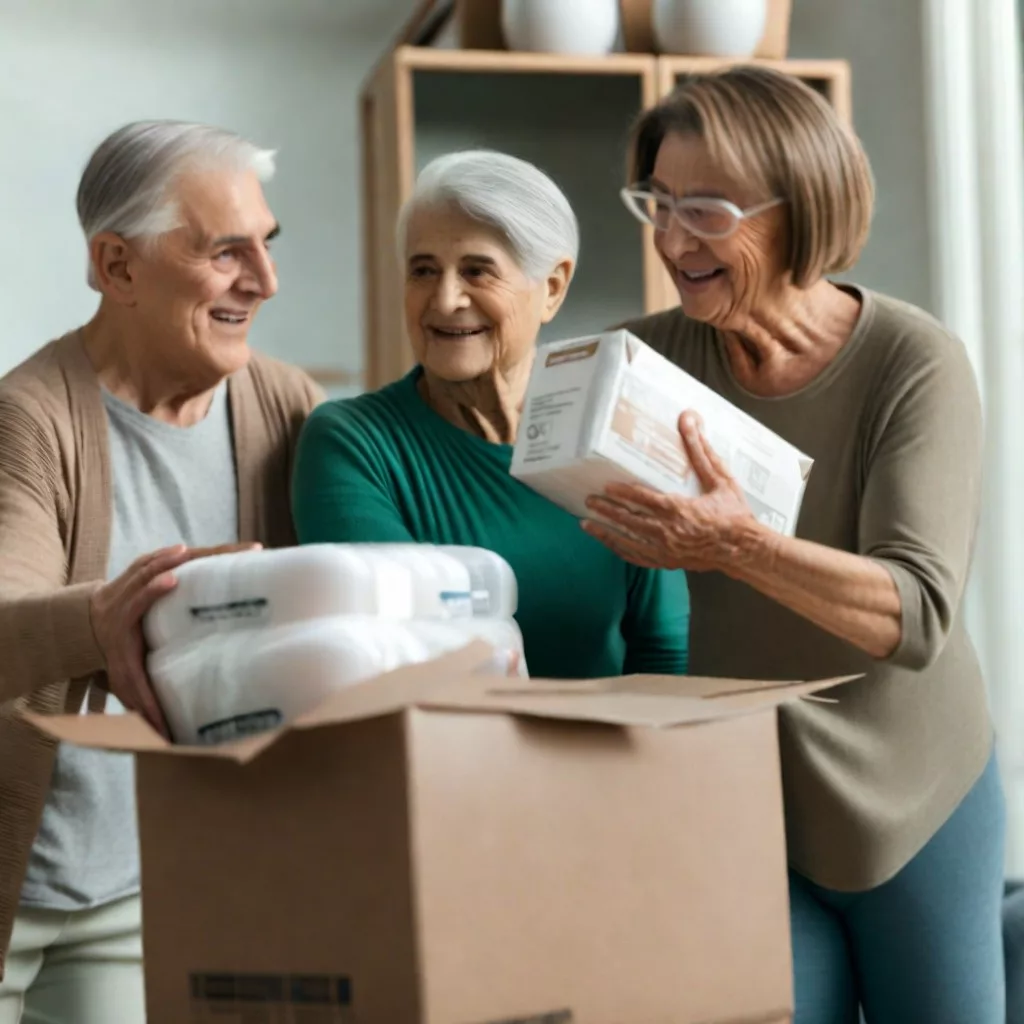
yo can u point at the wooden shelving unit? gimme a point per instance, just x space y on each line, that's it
829 77
421 102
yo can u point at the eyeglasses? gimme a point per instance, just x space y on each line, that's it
704 217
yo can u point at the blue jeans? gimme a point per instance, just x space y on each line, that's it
926 946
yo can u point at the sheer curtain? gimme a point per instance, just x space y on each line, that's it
976 96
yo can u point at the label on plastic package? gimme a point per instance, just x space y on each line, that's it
249 608
239 726
457 604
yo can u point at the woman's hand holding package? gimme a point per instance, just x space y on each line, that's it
849 595
672 532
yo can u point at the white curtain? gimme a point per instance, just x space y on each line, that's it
975 88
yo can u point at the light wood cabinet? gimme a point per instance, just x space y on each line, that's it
568 115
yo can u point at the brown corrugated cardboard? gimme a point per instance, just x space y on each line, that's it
443 847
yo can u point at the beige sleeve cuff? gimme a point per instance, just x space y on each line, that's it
924 621
80 654
47 638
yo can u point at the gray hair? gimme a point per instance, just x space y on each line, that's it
510 195
126 186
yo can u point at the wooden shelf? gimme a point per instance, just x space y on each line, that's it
829 77
513 62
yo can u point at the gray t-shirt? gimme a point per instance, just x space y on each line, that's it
171 485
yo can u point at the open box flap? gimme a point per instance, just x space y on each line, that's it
129 733
110 732
385 694
714 687
456 682
646 701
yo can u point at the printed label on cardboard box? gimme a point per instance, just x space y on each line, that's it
574 354
218 998
552 421
650 437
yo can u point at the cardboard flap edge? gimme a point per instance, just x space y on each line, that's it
127 733
130 734
647 701
455 682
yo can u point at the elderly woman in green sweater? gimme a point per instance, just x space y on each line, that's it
894 809
489 245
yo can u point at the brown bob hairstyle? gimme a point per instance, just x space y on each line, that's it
769 129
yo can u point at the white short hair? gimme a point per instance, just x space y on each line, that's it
127 185
510 195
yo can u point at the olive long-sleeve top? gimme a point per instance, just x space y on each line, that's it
894 425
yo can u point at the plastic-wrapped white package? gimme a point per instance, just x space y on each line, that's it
223 686
441 583
493 586
249 640
270 588
503 635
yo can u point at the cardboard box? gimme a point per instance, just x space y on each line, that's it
606 408
441 847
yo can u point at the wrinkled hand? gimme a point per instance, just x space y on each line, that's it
117 609
663 531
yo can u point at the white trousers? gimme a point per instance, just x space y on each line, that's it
83 967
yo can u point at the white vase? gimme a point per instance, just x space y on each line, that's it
561 26
712 28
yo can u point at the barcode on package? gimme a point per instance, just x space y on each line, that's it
271 999
225 730
249 608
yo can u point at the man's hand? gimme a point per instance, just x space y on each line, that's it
117 609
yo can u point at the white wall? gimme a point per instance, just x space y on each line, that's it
883 40
284 72
287 73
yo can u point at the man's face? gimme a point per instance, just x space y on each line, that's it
197 290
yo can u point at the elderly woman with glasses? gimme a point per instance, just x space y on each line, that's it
488 246
895 817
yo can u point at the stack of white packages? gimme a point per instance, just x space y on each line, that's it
247 641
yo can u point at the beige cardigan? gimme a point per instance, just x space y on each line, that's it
55 525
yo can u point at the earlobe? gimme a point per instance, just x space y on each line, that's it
557 288
111 263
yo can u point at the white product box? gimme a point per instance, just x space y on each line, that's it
606 408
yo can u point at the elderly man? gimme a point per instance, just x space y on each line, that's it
128 446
